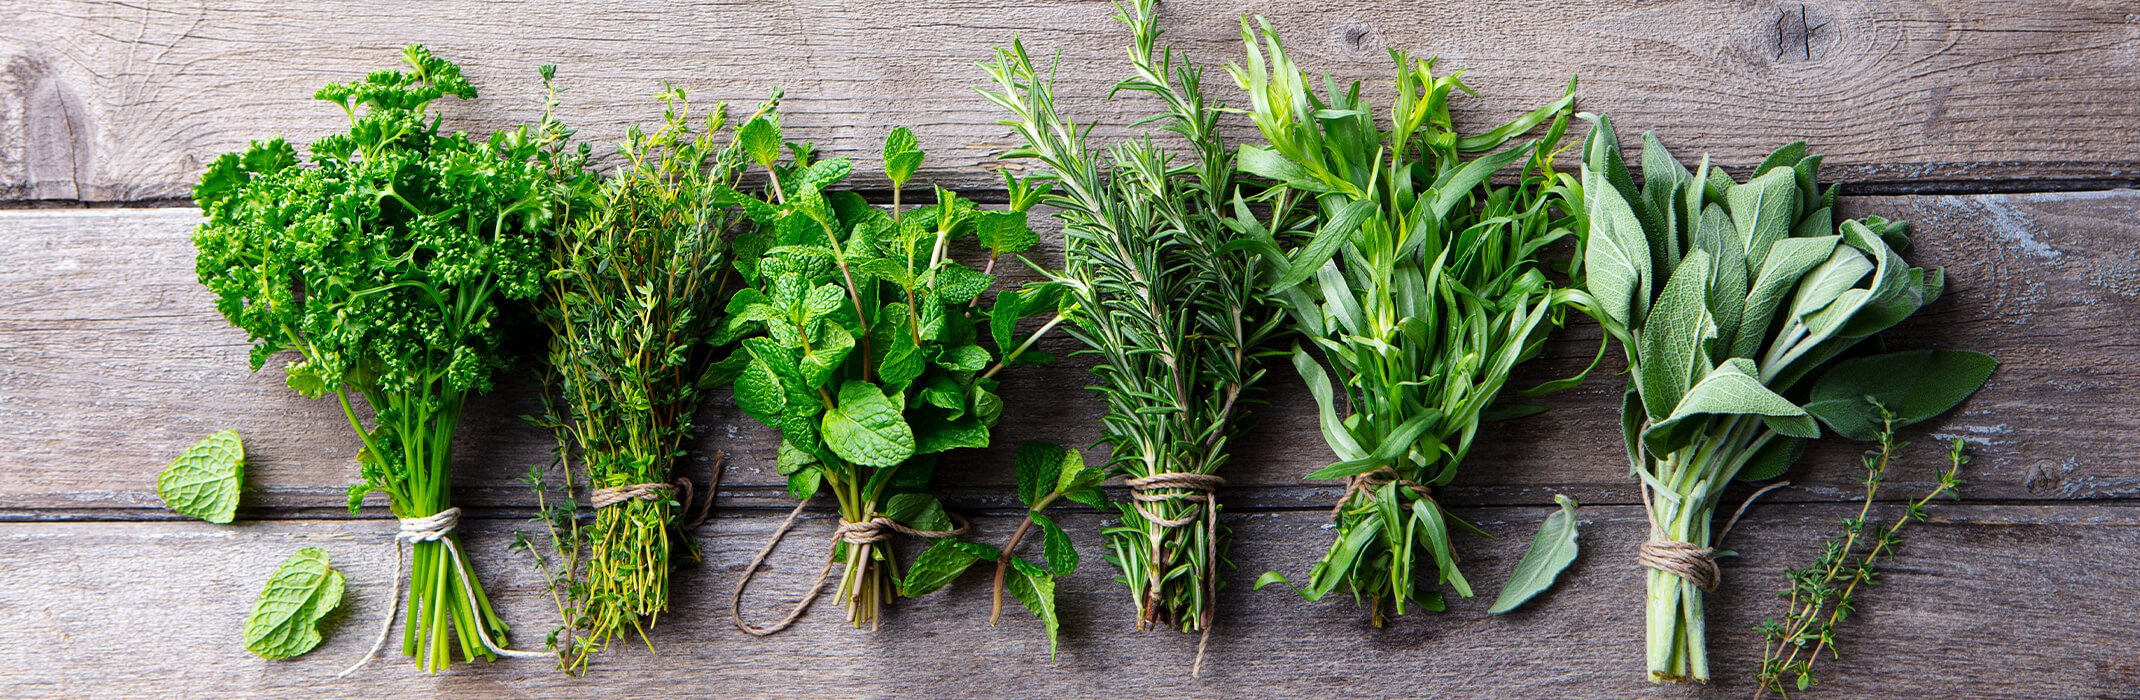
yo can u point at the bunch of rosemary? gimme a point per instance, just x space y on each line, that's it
1423 285
634 301
868 349
1161 290
1726 296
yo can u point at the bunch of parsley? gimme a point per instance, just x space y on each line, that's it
383 266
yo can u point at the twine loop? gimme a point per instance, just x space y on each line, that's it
1369 483
613 495
880 528
434 528
1687 560
1174 486
430 528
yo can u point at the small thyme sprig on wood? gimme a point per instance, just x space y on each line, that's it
1823 595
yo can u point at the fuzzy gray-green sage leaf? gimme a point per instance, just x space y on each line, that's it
1552 550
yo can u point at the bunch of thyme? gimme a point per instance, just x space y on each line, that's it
1161 292
634 301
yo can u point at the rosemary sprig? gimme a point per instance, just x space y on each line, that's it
1159 290
1423 286
1822 595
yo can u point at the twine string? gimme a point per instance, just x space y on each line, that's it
433 528
1692 562
859 534
1196 489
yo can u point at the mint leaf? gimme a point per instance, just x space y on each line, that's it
936 567
866 428
1062 556
1040 468
286 621
1034 588
203 481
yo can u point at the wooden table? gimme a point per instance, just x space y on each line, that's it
2003 132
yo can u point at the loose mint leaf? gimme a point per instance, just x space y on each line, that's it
286 621
1914 386
203 482
936 566
866 428
1062 556
1552 550
1034 588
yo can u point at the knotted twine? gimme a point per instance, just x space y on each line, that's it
434 528
860 535
1687 560
1373 481
656 491
1197 489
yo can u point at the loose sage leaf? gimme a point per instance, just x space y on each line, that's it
866 427
1552 550
1034 588
286 621
936 566
1914 386
203 482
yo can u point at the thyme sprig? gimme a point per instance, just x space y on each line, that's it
1823 594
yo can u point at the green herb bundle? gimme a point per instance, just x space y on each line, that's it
1726 296
1423 286
869 350
1163 291
383 267
637 288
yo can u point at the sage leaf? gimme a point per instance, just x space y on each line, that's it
203 482
1552 550
1914 386
285 623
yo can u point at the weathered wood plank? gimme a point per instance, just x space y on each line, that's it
1989 601
112 359
127 101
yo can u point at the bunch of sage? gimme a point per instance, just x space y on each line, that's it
1423 286
1726 296
1162 290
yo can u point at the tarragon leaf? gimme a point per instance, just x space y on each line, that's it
286 621
1552 550
203 482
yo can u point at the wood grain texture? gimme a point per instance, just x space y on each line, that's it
1988 602
107 102
112 360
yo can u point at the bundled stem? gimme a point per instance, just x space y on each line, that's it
634 302
1162 293
1423 286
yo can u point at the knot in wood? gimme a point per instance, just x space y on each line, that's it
430 528
1193 487
609 496
1695 563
